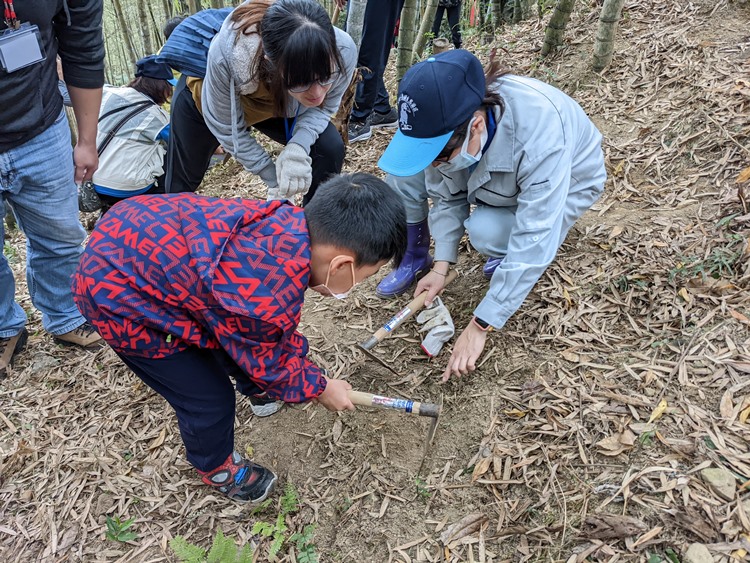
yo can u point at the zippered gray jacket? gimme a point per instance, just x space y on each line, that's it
229 76
544 152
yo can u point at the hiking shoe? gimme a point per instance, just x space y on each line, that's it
263 406
389 120
9 347
359 131
88 199
241 479
84 336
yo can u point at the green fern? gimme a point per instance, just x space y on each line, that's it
289 500
305 548
187 552
246 555
223 549
263 529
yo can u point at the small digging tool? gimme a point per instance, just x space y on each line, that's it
408 406
397 320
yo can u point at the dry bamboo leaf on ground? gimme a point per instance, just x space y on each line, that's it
611 526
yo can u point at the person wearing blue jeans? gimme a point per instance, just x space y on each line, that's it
372 105
38 169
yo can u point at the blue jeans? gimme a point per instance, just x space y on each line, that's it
37 179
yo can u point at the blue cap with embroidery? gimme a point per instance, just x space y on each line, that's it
434 98
150 67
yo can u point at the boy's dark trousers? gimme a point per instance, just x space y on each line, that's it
377 39
196 382
191 145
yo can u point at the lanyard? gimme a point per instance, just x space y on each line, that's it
290 130
10 15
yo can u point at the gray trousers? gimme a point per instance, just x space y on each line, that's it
489 228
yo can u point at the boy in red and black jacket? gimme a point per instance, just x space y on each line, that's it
190 290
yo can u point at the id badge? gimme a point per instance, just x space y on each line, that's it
21 47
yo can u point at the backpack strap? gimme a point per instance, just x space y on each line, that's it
139 107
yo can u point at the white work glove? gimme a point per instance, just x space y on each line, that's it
268 175
438 324
293 171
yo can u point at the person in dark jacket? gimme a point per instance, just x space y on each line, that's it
192 290
452 9
38 173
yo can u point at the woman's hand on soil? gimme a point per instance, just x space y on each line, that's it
433 283
466 351
336 396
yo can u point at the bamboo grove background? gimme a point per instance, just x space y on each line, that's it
133 28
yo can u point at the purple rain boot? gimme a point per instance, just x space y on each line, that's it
491 265
416 260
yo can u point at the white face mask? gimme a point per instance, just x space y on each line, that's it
464 159
323 288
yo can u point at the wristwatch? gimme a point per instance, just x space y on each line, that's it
484 325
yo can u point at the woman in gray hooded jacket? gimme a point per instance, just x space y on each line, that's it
277 67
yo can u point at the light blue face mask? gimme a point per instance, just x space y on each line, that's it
464 159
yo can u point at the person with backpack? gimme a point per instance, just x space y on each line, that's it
193 292
280 68
510 160
133 132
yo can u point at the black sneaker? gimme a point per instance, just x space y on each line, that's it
9 347
241 479
389 120
359 131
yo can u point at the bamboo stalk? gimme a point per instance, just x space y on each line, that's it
553 35
425 26
126 35
406 38
604 45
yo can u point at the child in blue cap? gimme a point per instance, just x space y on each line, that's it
521 153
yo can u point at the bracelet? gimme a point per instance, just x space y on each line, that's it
439 273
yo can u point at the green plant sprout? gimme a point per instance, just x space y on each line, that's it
117 530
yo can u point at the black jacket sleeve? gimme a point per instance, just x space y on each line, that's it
78 27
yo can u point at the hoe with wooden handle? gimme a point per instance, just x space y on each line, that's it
408 406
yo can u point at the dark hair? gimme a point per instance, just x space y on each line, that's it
492 72
155 88
170 24
298 44
361 213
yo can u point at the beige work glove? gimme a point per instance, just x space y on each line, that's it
293 171
268 175
438 324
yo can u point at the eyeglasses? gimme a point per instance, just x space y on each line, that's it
322 83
